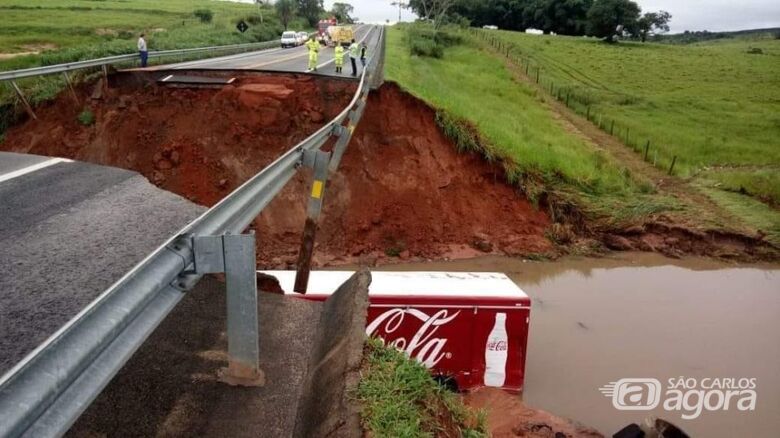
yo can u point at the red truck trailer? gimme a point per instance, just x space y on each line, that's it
470 328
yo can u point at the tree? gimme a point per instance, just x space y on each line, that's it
342 12
653 20
285 10
311 10
605 16
433 10
567 17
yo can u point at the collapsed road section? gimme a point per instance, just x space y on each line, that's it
402 192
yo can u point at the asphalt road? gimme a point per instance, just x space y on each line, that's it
295 59
68 230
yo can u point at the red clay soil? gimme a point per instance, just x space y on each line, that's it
402 189
198 143
507 416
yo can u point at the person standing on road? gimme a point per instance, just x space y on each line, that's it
142 50
363 50
314 49
339 57
353 55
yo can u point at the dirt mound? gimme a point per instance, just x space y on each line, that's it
507 416
402 190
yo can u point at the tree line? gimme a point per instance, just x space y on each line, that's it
600 18
312 11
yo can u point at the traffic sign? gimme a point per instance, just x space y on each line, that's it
241 26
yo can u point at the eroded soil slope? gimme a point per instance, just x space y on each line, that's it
198 143
402 190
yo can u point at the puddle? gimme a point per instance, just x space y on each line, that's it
595 321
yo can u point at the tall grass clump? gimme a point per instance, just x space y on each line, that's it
399 398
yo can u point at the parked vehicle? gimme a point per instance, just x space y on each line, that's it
341 35
323 36
289 39
470 329
303 37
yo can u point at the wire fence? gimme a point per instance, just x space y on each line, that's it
581 103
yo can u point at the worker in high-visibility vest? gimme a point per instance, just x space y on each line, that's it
339 57
314 50
354 53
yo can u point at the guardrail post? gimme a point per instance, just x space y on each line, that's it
234 254
105 77
70 87
243 339
319 161
26 104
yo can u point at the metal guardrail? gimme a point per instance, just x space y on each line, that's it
77 65
12 75
47 391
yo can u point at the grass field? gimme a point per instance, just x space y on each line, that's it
471 84
723 130
713 105
69 30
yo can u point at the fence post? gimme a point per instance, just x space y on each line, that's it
671 168
612 128
587 116
537 74
647 149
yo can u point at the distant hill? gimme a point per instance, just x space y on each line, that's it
688 37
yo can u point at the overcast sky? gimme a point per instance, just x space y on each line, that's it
686 14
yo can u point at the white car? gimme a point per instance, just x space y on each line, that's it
289 39
302 37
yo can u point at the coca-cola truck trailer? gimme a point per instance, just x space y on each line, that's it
470 328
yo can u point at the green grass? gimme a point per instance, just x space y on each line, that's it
86 117
73 30
472 85
709 104
756 213
400 399
763 184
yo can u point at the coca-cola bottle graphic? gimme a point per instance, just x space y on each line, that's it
496 353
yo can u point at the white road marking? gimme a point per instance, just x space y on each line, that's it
220 59
33 168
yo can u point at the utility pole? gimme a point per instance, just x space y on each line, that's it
400 6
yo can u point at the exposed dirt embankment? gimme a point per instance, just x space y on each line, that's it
402 190
198 143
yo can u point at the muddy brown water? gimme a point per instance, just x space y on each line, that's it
595 321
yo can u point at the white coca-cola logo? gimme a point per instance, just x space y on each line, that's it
423 346
497 345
